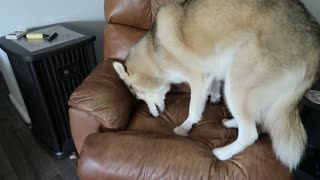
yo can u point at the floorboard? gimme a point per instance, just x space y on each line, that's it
7 171
21 157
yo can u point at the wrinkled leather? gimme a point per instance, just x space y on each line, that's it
127 22
149 149
118 40
146 147
135 13
133 155
104 96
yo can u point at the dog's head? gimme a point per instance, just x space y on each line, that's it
144 86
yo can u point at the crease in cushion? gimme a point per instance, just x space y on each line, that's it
176 112
103 95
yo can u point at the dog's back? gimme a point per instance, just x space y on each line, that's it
282 28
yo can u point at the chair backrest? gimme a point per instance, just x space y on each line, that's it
127 22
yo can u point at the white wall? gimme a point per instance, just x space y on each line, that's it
24 14
314 7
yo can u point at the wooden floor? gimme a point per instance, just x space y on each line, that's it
21 157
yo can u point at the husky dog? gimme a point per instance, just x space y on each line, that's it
266 51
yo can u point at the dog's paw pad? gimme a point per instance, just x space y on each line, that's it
222 154
230 123
181 131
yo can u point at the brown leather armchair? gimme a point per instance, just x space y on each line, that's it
117 138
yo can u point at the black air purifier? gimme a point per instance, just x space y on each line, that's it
47 77
310 117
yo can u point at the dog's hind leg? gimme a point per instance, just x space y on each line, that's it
247 133
200 86
237 89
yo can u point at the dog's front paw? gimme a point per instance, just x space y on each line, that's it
222 153
181 131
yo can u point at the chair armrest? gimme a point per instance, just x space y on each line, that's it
82 125
104 96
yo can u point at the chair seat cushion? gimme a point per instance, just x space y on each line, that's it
148 149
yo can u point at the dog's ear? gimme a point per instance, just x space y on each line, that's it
120 70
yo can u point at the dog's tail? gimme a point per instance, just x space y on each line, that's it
286 130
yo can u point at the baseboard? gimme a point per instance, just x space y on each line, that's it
24 114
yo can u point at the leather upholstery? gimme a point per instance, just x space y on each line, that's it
148 156
82 125
104 96
128 20
135 13
118 39
117 138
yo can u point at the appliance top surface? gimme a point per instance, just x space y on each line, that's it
14 49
